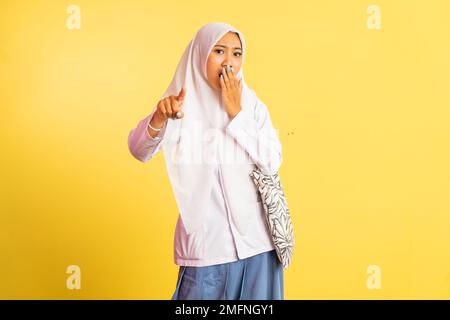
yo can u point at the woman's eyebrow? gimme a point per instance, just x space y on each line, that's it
219 45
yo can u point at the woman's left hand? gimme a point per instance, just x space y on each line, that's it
231 88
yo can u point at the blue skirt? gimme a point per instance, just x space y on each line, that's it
259 277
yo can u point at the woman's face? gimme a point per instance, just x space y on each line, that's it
227 51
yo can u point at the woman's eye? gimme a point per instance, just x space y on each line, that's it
238 54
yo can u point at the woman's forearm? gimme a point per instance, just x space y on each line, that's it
142 144
157 123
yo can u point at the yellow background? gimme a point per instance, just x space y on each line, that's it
363 117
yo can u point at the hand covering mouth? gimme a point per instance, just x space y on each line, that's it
221 71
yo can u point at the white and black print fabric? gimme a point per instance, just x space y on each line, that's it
277 214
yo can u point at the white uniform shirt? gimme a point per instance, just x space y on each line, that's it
219 240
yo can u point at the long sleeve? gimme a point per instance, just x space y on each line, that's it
258 137
141 144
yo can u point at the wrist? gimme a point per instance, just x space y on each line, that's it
157 122
234 112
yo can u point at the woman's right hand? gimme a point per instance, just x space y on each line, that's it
169 107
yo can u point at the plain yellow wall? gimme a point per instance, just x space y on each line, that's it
363 116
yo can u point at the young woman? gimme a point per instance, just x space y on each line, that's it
214 131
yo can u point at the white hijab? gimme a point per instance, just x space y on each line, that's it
197 143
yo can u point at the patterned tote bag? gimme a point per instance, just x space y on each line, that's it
277 214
